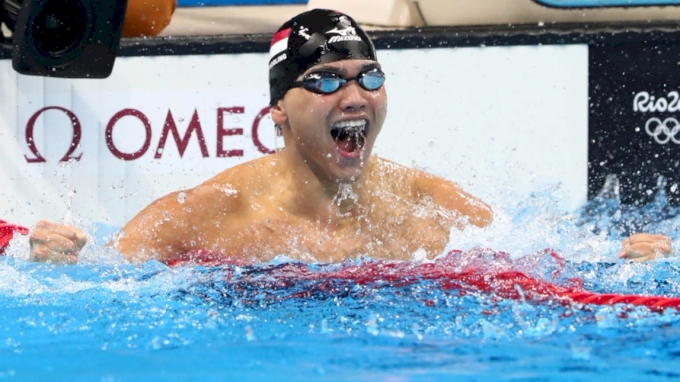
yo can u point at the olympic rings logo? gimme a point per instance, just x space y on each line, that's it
663 131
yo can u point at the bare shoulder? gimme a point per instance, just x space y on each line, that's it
388 165
391 173
416 180
167 226
221 193
245 175
226 193
235 184
443 192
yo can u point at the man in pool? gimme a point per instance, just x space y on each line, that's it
322 198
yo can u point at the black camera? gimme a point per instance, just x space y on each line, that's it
63 38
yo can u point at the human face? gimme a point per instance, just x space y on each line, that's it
334 133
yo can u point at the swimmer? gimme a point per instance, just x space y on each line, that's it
324 197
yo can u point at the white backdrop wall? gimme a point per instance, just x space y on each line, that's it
502 121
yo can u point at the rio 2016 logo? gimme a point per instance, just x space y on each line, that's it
170 129
662 130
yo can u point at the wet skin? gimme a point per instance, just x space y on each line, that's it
306 119
311 201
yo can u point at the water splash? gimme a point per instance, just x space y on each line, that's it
535 223
606 214
345 194
594 233
403 326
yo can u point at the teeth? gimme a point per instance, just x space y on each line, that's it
348 129
361 123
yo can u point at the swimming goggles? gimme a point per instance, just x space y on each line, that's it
330 82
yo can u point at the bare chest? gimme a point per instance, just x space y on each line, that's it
386 236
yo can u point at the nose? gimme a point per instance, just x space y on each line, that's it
353 97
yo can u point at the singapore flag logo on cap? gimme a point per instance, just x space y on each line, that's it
279 45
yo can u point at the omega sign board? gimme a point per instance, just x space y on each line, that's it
104 149
634 118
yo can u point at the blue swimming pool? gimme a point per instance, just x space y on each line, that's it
106 320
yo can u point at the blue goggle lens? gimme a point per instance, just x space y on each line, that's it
329 82
372 81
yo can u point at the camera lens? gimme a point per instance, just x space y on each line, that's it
59 26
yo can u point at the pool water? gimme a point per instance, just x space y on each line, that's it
107 320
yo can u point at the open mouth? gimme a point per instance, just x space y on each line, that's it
350 136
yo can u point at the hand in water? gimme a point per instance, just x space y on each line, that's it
645 247
56 243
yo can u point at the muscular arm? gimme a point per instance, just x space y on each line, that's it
173 224
451 197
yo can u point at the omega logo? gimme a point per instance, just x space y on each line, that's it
169 130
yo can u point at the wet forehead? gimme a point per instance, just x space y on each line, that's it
345 67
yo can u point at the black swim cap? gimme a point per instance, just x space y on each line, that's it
315 37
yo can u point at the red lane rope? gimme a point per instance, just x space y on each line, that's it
466 272
488 272
7 232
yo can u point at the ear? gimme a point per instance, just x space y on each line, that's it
279 114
